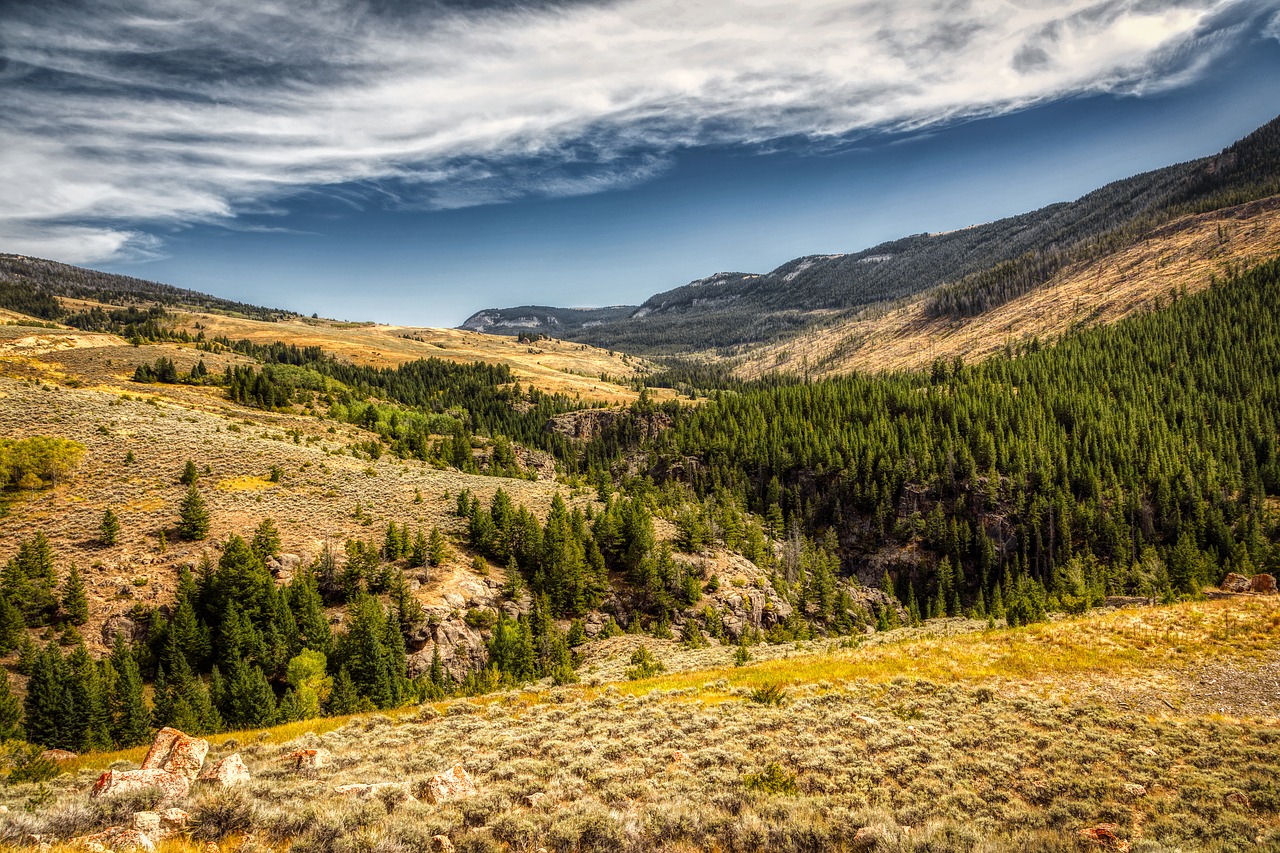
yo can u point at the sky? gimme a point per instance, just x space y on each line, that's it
413 162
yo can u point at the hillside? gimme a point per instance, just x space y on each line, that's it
1180 257
1141 729
34 287
976 269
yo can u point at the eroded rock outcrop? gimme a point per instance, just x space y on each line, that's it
177 753
455 784
227 772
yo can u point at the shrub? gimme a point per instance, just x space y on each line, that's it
772 780
221 814
644 664
769 694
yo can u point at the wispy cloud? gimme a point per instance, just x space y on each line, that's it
119 118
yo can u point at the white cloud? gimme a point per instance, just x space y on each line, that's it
167 112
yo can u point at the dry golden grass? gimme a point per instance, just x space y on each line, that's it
1184 253
988 741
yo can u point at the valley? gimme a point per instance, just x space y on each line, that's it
966 541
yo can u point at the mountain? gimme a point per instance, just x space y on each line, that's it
32 286
966 272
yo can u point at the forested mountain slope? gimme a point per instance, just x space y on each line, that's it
31 286
1130 457
975 269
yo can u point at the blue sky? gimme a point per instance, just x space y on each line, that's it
365 161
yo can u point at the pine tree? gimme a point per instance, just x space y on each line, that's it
303 595
344 699
47 711
10 710
11 626
193 523
109 528
189 474
392 545
75 604
418 550
266 540
250 700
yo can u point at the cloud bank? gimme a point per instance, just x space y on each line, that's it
121 119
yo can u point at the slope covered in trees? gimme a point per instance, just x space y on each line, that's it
1136 458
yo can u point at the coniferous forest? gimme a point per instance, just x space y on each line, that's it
1136 459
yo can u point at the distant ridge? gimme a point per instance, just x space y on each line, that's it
972 269
29 285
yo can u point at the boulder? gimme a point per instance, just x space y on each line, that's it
116 838
441 844
456 784
57 755
120 625
1104 835
172 786
227 772
177 753
161 825
309 759
1263 584
1235 583
867 838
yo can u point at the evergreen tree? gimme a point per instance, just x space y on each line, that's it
11 625
109 528
418 550
47 712
266 540
10 710
75 604
344 699
193 523
189 474
437 548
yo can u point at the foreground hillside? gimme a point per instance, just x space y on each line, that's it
1145 729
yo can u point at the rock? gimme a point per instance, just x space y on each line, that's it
866 838
177 753
870 721
227 772
1235 583
441 844
58 755
1263 584
148 823
1104 835
453 785
1240 799
309 759
211 847
172 786
116 838
454 600
534 800
120 625
679 756
379 790
1134 791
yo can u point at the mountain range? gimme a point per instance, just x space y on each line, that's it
963 273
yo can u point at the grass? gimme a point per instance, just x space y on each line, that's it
1116 643
986 741
246 483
